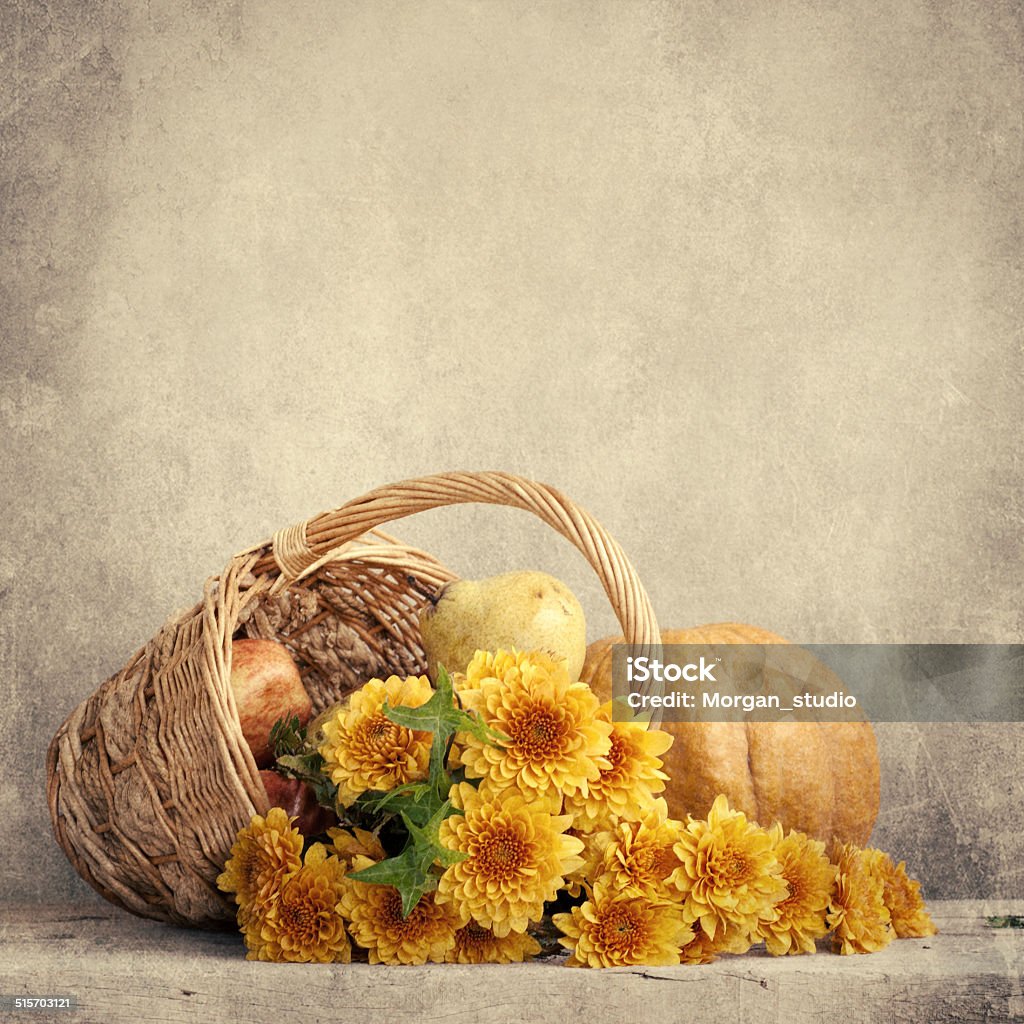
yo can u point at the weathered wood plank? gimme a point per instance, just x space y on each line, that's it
121 968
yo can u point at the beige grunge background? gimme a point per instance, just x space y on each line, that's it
742 279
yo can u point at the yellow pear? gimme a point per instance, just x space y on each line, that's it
525 610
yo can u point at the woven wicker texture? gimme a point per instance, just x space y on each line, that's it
149 779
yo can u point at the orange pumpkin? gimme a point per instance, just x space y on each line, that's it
820 778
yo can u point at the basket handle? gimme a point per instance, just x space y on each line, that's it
296 548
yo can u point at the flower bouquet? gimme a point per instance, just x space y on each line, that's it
504 814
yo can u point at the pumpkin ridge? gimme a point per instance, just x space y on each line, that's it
754 777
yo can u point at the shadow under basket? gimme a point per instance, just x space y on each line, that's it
149 779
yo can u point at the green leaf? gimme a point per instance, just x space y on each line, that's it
422 806
428 838
412 871
296 765
390 799
415 800
406 872
442 716
308 767
287 736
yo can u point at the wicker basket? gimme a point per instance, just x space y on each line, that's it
149 779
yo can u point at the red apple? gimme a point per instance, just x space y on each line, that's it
298 801
267 686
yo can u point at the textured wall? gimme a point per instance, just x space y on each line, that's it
744 280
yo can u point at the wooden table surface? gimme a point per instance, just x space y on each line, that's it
121 968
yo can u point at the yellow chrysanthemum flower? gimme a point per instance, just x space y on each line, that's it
501 665
699 950
355 842
374 913
902 897
616 929
800 918
504 666
518 857
364 750
264 854
303 925
623 791
556 741
508 667
592 854
702 949
475 944
640 856
728 872
857 913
